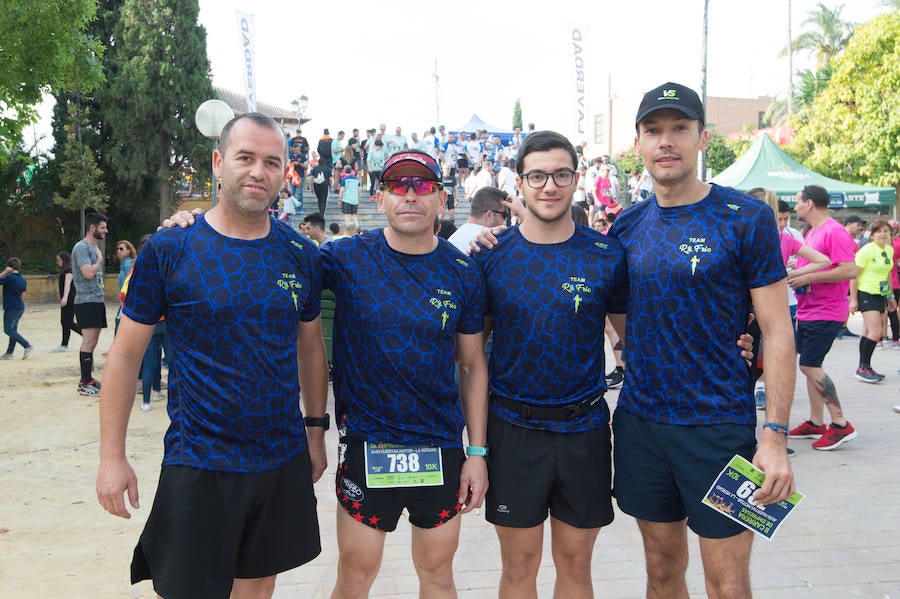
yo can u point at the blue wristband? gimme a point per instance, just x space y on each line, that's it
476 450
778 428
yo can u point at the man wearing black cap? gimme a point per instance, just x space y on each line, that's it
406 302
698 257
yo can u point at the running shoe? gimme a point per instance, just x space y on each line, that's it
145 406
156 395
897 408
88 389
790 452
28 351
835 437
879 345
867 375
60 348
615 379
6 357
895 344
808 430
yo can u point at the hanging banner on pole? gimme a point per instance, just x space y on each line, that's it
248 57
577 34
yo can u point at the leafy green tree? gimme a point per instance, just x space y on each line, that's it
43 46
517 115
853 132
160 77
719 155
79 173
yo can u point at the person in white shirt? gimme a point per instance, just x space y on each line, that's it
506 179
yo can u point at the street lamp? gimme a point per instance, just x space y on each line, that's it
211 117
300 105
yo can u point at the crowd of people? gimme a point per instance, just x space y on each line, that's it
448 350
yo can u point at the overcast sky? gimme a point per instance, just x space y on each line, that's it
373 62
362 63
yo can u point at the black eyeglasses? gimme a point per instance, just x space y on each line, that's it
561 178
503 213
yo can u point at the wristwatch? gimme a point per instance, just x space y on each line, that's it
324 421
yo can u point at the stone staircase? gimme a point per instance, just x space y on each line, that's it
368 216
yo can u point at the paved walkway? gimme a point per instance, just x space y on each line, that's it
842 541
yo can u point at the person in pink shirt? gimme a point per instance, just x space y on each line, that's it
895 286
820 313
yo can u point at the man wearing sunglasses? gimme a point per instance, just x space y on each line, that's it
407 303
487 211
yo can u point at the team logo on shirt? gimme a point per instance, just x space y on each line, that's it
444 303
578 289
289 283
695 248
296 244
733 207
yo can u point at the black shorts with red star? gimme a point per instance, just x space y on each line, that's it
380 508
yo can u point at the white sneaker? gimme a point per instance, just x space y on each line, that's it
897 408
59 349
6 357
156 395
28 351
146 407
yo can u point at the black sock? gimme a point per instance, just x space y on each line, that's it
866 347
838 426
87 366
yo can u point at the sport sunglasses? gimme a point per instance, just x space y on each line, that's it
400 185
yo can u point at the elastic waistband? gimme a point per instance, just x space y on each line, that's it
567 412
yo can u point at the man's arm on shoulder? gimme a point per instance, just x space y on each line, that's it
473 390
116 476
771 310
312 364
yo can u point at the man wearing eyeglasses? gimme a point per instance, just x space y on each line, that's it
406 303
549 286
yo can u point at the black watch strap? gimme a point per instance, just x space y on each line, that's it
324 421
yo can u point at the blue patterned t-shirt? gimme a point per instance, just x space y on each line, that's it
690 271
232 308
548 303
395 324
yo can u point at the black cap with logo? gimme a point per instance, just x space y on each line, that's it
671 96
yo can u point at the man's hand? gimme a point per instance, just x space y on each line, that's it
114 479
771 457
317 456
99 262
473 483
487 238
182 219
745 342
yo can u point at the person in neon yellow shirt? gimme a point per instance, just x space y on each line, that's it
871 293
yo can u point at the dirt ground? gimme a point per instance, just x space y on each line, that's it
55 539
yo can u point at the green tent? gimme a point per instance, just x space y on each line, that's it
766 165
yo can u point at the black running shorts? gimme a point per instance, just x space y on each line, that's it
533 471
429 507
663 471
207 528
91 315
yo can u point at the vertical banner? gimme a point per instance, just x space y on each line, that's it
577 34
248 57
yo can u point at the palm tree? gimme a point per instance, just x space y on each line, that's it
828 37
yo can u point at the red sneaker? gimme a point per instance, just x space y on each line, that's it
808 430
835 437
